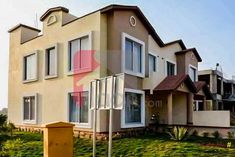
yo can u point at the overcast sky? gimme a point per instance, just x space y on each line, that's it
208 25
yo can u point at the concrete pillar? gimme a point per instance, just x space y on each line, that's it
169 109
58 140
204 104
211 83
233 109
222 86
232 90
190 108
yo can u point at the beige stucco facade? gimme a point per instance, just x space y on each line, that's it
106 30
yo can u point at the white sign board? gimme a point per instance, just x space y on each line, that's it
106 92
119 92
94 92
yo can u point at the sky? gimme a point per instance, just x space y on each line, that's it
207 25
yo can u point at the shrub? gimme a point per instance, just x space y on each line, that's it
12 148
205 134
216 135
3 119
178 133
231 135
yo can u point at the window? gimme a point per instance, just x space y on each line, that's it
51 62
133 55
80 55
29 108
133 112
78 107
170 68
30 67
152 63
193 73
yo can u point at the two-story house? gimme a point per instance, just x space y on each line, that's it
50 72
222 89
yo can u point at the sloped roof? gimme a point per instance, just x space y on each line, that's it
201 85
49 11
58 125
194 50
171 83
25 26
145 21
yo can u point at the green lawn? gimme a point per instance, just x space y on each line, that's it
156 145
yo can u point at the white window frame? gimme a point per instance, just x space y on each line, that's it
156 63
170 61
36 109
77 124
90 37
55 46
124 70
23 67
195 68
142 124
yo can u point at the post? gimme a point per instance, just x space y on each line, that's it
94 117
111 118
58 140
94 132
169 109
190 108
110 131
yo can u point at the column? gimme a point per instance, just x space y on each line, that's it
222 86
204 104
169 109
190 108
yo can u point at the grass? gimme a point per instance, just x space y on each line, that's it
147 145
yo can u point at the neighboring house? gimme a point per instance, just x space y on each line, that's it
3 111
222 89
48 76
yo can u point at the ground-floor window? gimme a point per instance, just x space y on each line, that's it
29 108
133 112
78 107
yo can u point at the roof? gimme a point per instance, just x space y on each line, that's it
191 49
171 83
58 125
145 21
49 11
201 85
25 26
112 7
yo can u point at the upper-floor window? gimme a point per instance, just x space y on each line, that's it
133 53
78 107
29 109
30 67
170 68
193 73
80 55
51 62
152 63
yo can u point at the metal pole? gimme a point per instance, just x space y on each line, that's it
94 118
110 131
111 119
94 133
